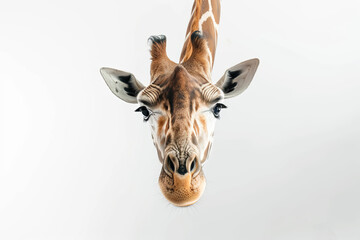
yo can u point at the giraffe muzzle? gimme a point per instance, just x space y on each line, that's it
181 180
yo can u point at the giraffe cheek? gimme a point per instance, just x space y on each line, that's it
162 141
206 152
196 128
160 154
160 122
161 136
203 123
194 140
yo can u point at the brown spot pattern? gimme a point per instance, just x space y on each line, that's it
161 123
200 7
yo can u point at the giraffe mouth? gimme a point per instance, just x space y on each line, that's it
182 190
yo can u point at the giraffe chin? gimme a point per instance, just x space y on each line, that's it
182 190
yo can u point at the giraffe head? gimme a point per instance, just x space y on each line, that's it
181 105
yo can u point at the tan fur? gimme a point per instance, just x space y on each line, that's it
200 8
181 93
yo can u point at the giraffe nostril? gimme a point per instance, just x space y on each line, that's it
192 165
195 167
169 165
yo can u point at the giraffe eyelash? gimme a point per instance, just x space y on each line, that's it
145 112
216 109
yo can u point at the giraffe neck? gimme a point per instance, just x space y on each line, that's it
205 18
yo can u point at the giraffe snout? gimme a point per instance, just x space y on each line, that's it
182 181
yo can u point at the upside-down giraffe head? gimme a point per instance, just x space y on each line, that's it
181 104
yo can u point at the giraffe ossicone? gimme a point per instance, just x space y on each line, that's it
181 103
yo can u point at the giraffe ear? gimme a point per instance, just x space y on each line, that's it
237 78
123 84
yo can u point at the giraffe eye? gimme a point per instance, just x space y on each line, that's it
145 112
217 108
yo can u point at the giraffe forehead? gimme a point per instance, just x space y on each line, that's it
180 90
178 97
186 90
183 98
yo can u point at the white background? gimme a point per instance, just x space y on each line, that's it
78 163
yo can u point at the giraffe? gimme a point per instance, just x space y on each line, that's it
181 103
